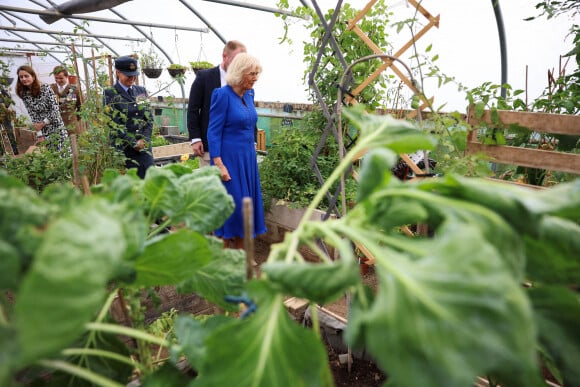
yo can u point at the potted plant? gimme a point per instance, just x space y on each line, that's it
72 75
151 64
176 70
200 65
5 78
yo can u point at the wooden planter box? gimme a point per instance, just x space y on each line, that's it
25 137
282 219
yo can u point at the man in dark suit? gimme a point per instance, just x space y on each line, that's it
131 117
200 99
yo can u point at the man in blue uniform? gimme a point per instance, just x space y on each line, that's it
132 120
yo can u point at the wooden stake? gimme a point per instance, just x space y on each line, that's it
75 160
248 211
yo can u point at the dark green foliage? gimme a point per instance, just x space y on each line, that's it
287 172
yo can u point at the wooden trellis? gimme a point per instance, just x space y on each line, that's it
432 21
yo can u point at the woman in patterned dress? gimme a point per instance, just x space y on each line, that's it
42 108
231 139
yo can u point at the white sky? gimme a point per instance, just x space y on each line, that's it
466 41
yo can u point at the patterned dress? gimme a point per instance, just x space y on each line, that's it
45 106
230 135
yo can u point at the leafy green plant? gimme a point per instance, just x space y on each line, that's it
286 173
158 140
150 60
457 295
39 168
22 121
199 65
352 47
177 66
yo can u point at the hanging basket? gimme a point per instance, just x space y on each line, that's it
152 73
6 81
176 72
200 65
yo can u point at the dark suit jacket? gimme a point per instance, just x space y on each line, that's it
199 103
134 120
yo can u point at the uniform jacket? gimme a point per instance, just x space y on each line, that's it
133 120
69 103
132 115
199 103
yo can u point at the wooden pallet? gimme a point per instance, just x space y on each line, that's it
5 140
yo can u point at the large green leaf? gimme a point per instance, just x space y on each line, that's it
198 200
9 267
224 275
395 203
557 312
167 375
448 316
265 349
21 212
66 283
8 354
319 282
192 333
552 243
503 199
172 258
554 252
375 171
562 200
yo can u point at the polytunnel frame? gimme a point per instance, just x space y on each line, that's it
123 20
330 127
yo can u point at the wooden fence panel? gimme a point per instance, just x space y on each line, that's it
528 157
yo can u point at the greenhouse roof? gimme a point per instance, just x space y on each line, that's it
182 31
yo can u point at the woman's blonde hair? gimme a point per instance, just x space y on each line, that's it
241 64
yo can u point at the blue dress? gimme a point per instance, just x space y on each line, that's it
230 135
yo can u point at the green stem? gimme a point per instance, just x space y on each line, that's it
83 373
125 331
159 228
315 320
3 318
336 174
107 306
101 353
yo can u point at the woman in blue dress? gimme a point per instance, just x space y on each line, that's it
231 139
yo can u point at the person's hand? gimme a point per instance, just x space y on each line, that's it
141 144
198 148
39 125
225 173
